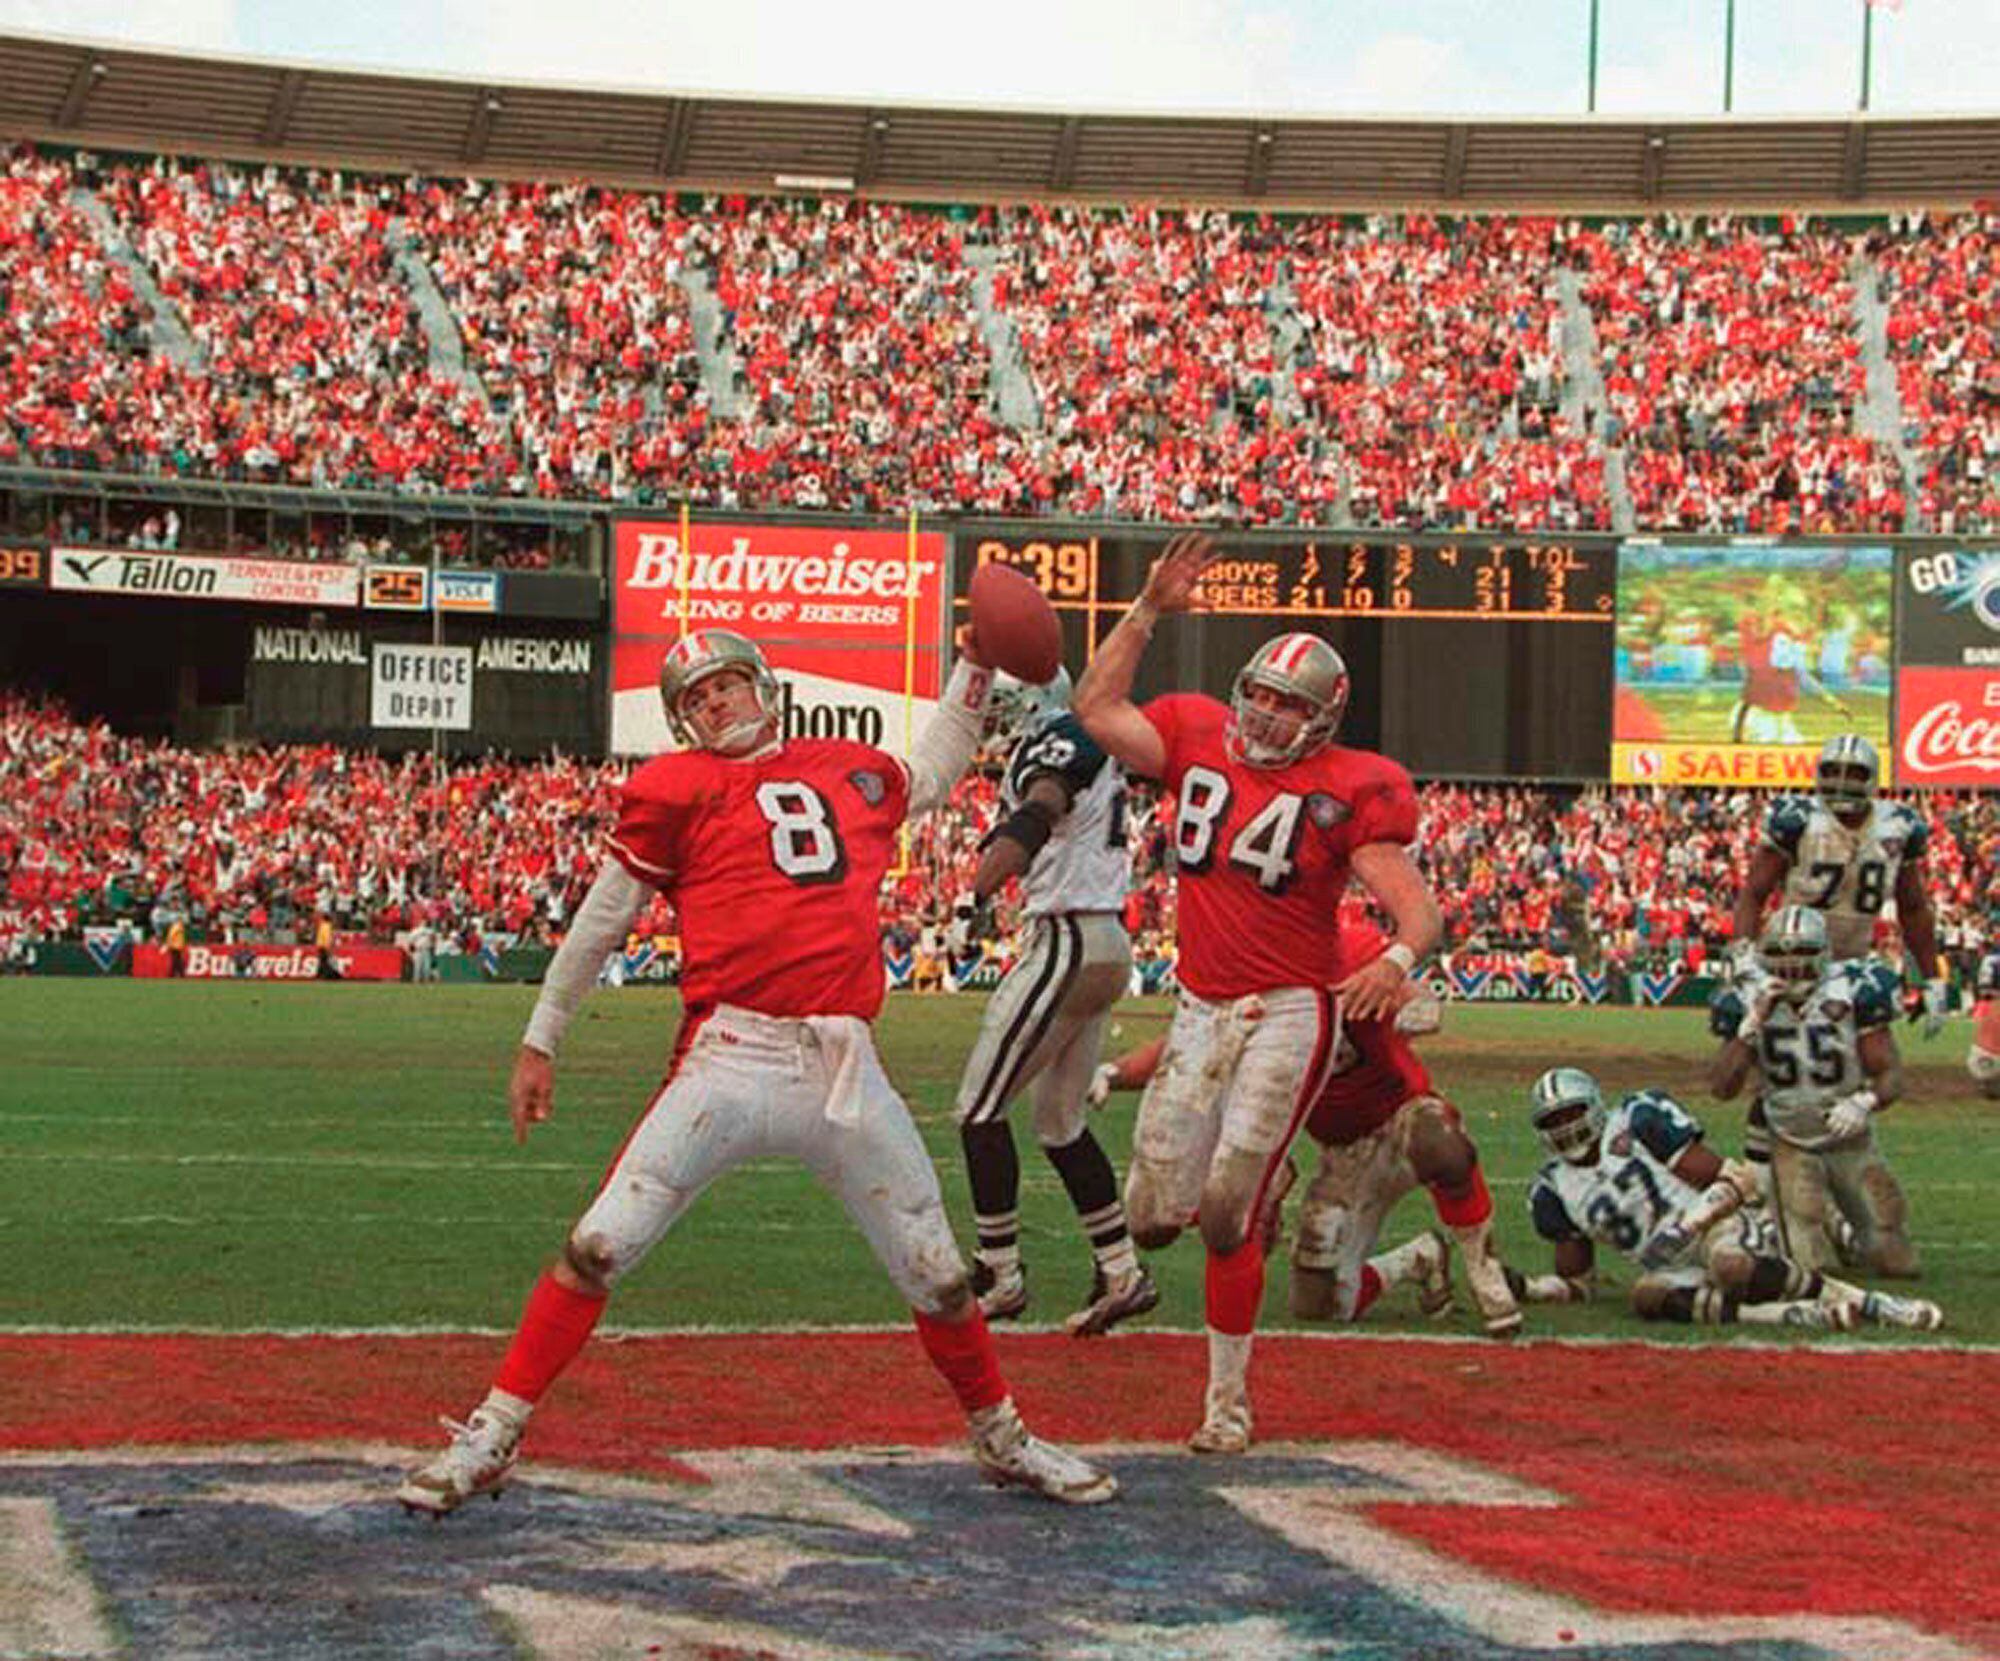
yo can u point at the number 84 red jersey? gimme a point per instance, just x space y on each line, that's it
1262 854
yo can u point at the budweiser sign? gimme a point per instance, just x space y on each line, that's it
1948 727
851 618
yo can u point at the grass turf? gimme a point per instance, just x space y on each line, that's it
180 1155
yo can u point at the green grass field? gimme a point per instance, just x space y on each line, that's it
178 1155
1702 714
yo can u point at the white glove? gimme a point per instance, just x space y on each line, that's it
1100 1085
1849 1116
1937 998
1666 1242
1766 999
1742 959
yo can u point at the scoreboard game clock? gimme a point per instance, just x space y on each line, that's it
1469 577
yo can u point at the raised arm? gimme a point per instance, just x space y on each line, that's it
1103 698
950 738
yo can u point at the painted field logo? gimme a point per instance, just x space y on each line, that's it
847 1553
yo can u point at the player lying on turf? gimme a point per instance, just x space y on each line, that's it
1381 1129
1641 1179
773 851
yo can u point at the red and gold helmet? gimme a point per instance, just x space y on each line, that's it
692 659
1300 666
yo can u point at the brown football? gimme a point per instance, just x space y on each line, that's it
1016 626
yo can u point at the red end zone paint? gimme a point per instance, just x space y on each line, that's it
1726 1481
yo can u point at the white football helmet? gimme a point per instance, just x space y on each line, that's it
1553 1109
692 659
1793 951
1845 776
1301 666
1015 705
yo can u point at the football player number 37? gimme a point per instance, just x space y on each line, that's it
1263 847
805 843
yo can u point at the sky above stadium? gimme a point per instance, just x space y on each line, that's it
1330 57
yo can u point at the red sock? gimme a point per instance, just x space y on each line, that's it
1466 1206
963 1353
1371 1289
1235 1289
554 1326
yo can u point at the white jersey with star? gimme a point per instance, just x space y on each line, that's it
1846 872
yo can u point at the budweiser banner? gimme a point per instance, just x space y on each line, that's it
1948 611
246 960
850 619
269 582
1948 727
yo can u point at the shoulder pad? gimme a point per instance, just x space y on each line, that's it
1660 1124
1916 831
1726 1012
1786 822
1875 989
1058 744
1552 1219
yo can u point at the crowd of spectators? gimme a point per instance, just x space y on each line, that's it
1732 366
1397 371
260 843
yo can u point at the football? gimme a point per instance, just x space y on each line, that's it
1016 626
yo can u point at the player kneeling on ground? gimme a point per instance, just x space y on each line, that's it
1818 1035
1382 1130
1640 1179
773 851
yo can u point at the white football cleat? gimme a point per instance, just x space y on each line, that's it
1012 1456
1830 1315
1225 1427
478 1460
1003 1295
1886 1309
1112 1302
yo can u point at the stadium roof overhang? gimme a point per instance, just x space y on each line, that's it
113 98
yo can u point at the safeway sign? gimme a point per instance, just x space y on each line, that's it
850 620
1948 727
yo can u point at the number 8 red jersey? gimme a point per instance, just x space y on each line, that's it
788 849
1262 853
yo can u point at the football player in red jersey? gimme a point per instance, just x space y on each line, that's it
1382 1129
1271 817
773 851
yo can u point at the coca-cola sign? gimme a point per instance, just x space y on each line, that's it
1948 727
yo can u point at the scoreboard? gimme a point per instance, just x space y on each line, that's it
1476 655
1467 577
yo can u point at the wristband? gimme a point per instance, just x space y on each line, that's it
1400 955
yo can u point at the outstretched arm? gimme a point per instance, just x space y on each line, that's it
1103 698
950 739
601 923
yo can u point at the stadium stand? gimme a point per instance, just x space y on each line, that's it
256 842
1399 371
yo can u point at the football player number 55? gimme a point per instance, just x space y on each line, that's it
805 843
